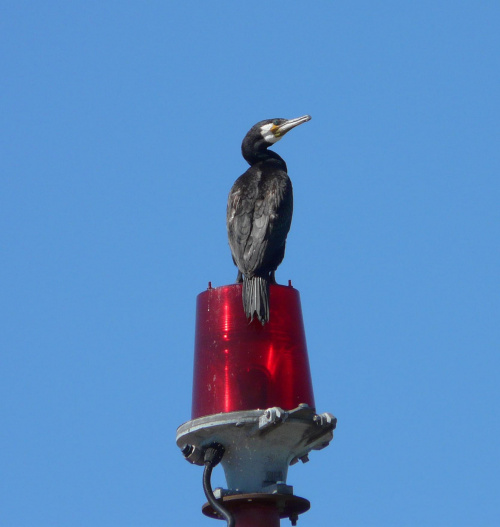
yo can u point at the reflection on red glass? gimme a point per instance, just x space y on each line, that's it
242 366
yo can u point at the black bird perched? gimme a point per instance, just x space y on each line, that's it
259 214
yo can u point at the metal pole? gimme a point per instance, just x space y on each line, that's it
256 515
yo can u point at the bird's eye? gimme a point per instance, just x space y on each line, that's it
276 122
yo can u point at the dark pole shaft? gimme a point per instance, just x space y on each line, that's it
253 514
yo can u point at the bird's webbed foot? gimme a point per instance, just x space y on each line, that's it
239 277
272 278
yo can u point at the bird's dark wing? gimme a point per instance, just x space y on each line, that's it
239 218
278 197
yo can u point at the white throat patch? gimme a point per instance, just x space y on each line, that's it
267 134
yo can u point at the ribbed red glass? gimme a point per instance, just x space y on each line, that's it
242 366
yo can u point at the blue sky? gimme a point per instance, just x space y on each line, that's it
120 139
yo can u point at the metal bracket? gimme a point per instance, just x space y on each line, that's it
260 444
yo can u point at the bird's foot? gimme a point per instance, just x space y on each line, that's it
239 278
272 278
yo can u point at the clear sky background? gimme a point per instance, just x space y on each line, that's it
121 125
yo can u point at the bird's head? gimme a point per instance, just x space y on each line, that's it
266 133
272 130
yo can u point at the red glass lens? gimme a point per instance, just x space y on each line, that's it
242 366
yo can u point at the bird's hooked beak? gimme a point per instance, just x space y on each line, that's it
282 129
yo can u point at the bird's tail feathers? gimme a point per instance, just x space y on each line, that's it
256 298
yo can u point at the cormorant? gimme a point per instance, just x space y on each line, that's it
259 214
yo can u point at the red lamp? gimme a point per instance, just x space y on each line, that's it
244 366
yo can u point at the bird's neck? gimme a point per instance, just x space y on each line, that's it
257 155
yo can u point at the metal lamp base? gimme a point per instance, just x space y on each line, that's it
260 444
